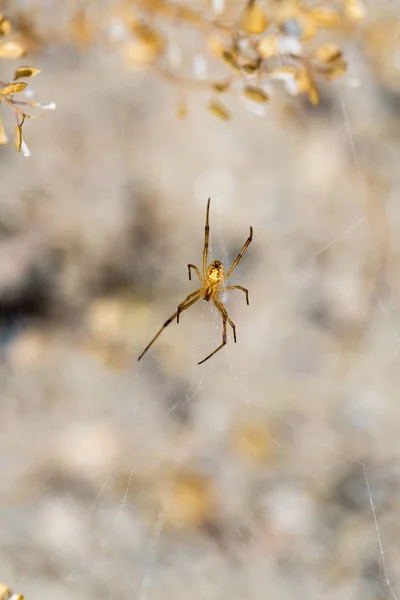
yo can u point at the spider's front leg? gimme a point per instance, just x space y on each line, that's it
190 267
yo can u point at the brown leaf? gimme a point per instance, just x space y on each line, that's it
26 72
82 30
13 88
336 70
221 86
307 26
354 10
254 20
219 110
255 94
328 53
313 94
182 110
5 25
3 136
215 45
11 50
325 16
230 60
18 137
268 46
251 67
144 49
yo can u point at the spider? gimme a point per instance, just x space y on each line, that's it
211 282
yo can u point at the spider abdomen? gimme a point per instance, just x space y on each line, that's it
215 272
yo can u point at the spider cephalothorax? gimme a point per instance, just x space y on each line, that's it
211 282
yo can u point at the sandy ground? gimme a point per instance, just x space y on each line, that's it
260 473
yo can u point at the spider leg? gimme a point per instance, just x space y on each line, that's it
168 321
224 313
236 287
239 256
196 271
206 236
219 347
221 308
182 307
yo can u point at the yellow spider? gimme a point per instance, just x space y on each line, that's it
213 278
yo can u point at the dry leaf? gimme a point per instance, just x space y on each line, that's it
11 50
219 110
5 25
26 72
230 60
254 19
268 46
188 500
182 110
221 86
18 137
13 88
251 67
255 94
336 70
5 592
252 442
82 30
215 45
328 53
325 16
313 94
144 49
306 25
283 73
354 10
3 136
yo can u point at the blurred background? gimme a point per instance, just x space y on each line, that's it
259 473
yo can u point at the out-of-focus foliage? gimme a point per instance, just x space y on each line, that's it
13 48
245 48
7 594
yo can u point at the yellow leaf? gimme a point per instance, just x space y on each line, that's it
221 86
250 68
12 88
283 73
354 10
230 60
313 94
336 70
215 45
182 110
26 72
144 49
268 46
328 53
219 110
11 50
255 94
18 137
82 30
307 26
254 19
3 136
5 25
325 16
